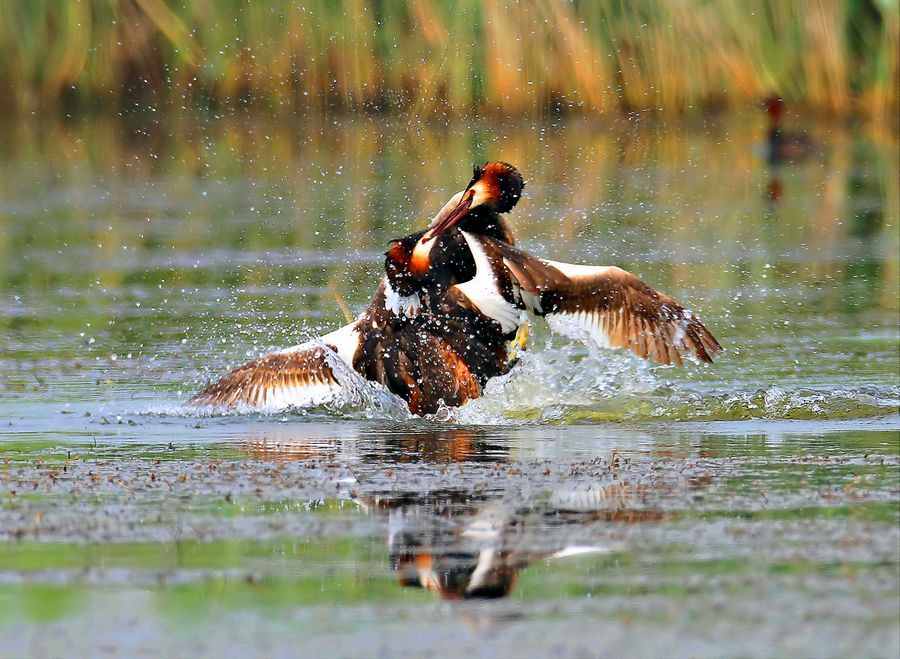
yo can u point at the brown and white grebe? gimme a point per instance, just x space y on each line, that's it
453 298
784 146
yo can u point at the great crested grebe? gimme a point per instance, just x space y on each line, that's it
452 299
784 146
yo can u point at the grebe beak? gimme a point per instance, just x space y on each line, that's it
453 217
475 195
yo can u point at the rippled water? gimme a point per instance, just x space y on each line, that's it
588 503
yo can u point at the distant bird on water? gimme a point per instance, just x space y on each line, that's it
452 300
784 146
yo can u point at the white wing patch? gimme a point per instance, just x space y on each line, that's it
307 395
483 291
345 341
312 373
582 325
585 325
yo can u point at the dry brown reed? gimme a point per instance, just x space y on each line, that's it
437 57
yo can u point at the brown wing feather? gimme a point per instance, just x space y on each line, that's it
259 382
625 311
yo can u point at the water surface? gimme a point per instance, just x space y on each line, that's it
588 504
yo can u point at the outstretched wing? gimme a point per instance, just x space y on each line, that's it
607 304
299 376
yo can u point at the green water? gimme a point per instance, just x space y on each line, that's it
749 508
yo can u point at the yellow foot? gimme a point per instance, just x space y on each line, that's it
519 343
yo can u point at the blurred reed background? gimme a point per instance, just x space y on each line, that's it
640 198
451 57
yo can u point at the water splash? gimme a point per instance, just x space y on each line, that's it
569 385
546 383
578 383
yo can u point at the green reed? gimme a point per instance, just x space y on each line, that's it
445 57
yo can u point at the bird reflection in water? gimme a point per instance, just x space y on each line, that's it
783 147
399 445
455 541
460 550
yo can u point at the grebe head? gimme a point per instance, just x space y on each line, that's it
496 186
